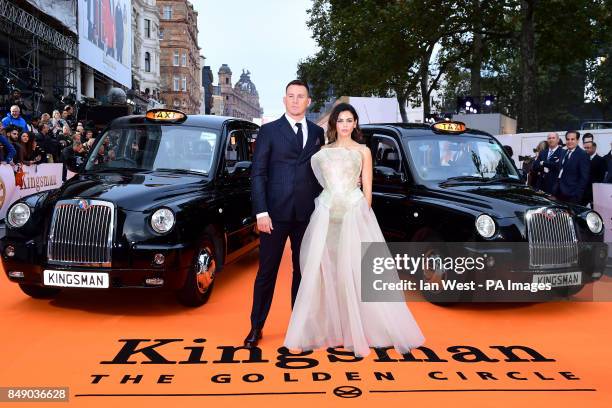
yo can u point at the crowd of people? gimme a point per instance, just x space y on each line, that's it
48 138
566 170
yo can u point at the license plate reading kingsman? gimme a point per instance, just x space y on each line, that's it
69 279
559 279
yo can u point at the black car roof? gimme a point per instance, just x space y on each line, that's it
209 121
418 129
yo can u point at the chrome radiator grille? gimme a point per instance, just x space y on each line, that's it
552 238
81 233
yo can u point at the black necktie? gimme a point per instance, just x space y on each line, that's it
300 135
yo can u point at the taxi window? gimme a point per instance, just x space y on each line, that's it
386 152
153 147
444 158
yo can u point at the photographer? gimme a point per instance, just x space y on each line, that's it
528 162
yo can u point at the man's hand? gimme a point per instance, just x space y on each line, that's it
264 224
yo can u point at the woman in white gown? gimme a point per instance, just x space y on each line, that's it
328 311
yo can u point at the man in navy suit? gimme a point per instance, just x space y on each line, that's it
284 188
598 170
548 163
575 169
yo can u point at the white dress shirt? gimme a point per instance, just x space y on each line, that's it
292 122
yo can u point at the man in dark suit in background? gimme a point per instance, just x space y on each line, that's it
573 177
548 163
597 172
284 188
608 159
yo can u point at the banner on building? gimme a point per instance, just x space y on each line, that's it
26 181
63 11
105 37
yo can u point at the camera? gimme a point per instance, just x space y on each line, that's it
526 159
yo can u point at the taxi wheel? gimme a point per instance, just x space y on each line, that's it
436 276
39 292
200 281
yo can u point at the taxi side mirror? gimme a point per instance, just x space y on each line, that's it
75 164
387 175
240 170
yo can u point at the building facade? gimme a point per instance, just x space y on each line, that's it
208 86
240 100
146 53
180 72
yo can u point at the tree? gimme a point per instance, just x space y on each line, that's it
374 47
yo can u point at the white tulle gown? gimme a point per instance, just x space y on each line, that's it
328 311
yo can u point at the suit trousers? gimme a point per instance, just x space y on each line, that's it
271 247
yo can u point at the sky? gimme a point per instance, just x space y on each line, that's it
267 37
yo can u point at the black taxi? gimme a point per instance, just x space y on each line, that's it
161 200
445 183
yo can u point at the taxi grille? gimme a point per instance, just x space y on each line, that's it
552 238
81 233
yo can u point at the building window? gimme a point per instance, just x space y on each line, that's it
227 80
176 59
184 59
161 34
147 62
177 85
184 83
168 12
147 28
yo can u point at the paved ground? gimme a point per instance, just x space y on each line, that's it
66 341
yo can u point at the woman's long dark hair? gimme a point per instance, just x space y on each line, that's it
332 135
29 147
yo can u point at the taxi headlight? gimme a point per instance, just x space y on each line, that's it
18 215
485 226
162 220
594 222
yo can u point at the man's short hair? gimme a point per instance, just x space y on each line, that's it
298 83
577 133
15 106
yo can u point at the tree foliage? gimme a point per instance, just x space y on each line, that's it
536 56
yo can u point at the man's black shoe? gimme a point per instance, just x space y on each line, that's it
252 338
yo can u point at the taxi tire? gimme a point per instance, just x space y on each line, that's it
39 292
444 299
189 295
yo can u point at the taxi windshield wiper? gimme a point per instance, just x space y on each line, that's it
117 169
465 178
499 177
182 171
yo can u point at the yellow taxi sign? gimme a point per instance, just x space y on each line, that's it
165 115
449 127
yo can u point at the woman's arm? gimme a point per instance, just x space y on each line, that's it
366 175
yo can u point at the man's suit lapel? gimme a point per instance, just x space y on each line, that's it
312 137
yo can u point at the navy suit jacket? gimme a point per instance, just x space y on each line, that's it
283 183
575 176
546 180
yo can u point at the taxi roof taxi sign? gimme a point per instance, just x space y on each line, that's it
449 127
165 115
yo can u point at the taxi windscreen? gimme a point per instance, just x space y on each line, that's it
153 147
443 158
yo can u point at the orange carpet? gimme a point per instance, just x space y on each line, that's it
63 342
